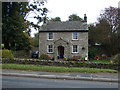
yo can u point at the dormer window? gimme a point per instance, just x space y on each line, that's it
50 36
74 36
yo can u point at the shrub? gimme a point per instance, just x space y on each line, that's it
82 58
21 54
97 57
2 46
64 58
6 54
44 57
116 59
92 52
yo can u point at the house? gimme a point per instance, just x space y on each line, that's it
64 39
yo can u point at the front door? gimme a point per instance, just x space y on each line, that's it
61 51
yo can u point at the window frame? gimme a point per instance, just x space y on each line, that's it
73 49
48 35
48 49
75 36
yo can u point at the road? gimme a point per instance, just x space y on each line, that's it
26 82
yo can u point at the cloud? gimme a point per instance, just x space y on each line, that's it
64 8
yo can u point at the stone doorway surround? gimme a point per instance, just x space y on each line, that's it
62 43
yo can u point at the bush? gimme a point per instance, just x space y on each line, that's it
97 58
92 52
116 59
44 57
6 54
21 54
64 59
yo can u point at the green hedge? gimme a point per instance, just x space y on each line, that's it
6 54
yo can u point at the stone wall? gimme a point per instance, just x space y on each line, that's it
61 63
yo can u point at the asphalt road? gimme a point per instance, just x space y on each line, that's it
25 82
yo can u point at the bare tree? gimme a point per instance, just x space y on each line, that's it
112 15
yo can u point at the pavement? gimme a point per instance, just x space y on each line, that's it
103 77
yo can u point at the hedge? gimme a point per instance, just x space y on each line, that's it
6 54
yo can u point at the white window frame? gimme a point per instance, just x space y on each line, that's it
73 36
77 49
49 34
49 48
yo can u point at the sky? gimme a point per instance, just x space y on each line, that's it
64 8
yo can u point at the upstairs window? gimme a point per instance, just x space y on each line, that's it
74 36
50 36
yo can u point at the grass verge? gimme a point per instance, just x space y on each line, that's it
54 68
100 61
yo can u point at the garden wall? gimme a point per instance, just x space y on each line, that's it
61 63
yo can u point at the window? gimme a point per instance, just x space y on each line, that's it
74 36
50 36
74 49
50 49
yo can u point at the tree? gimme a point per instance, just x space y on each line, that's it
35 40
55 19
16 27
106 31
111 15
13 23
99 33
74 17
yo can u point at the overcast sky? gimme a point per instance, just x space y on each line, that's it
64 8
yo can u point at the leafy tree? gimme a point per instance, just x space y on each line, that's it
16 28
74 17
13 23
35 40
99 32
106 31
55 19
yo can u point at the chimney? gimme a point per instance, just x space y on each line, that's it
85 18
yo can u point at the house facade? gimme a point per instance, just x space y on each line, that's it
64 39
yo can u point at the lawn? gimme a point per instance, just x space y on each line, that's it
54 68
100 61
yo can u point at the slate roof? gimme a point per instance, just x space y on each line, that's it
64 26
